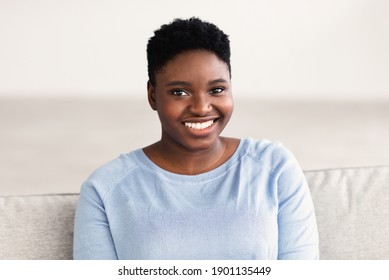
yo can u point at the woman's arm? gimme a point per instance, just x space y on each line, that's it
297 229
92 235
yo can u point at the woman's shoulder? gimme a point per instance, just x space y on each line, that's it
271 154
259 148
113 171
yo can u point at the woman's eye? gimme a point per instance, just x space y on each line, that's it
179 92
217 90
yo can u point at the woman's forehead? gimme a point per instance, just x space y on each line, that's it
194 64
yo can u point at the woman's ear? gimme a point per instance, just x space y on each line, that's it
151 96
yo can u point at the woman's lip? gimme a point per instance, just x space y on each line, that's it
201 120
200 129
199 125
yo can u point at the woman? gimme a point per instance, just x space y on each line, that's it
194 194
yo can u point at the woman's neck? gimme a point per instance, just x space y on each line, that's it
177 159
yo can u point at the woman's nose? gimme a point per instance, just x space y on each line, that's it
200 105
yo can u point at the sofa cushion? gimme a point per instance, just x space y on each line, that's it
352 211
37 226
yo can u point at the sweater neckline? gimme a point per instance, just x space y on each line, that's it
147 163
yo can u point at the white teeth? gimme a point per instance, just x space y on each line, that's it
199 125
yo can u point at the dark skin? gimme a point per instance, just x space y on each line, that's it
192 95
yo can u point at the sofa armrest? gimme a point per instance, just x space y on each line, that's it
352 210
37 226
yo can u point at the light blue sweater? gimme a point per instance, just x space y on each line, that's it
255 206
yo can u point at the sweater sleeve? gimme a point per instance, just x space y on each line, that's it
92 235
297 229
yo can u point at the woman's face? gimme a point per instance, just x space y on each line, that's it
192 96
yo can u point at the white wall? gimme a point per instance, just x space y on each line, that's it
295 49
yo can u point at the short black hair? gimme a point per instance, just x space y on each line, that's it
183 35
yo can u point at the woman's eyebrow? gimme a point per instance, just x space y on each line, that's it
184 83
221 80
178 83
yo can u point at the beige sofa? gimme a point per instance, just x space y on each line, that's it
352 209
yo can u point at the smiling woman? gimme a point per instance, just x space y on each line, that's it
194 194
